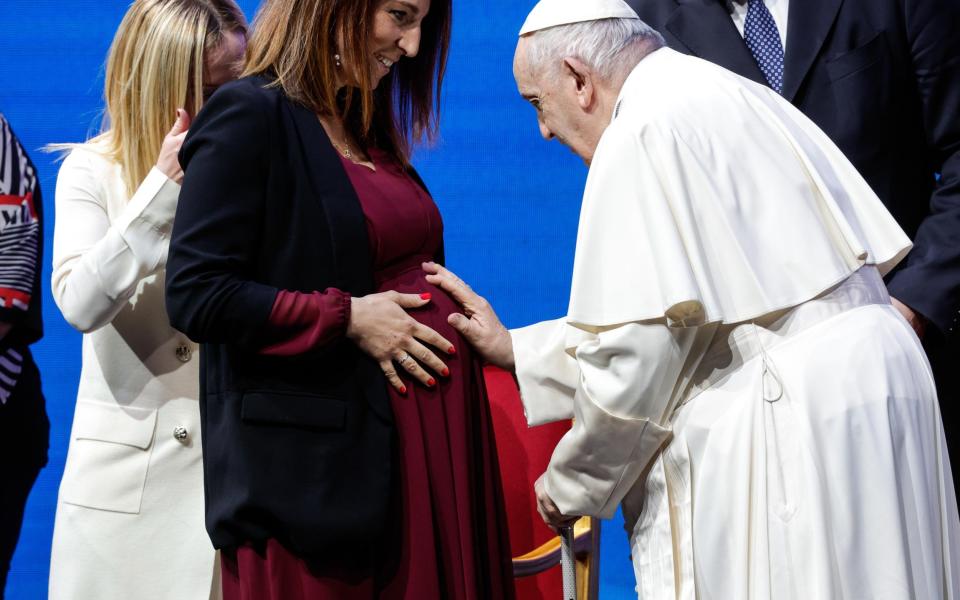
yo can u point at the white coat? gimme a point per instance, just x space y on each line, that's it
129 520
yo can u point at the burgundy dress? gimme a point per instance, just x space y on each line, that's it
451 539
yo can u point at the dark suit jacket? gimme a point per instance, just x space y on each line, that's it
295 448
882 79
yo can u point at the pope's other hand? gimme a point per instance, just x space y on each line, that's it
549 512
478 324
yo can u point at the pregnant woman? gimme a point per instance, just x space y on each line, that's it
348 449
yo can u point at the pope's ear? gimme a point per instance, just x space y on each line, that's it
582 77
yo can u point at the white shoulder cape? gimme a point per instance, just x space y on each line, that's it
712 199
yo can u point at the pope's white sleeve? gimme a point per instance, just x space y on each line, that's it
546 375
97 264
621 410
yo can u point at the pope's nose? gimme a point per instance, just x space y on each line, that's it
545 132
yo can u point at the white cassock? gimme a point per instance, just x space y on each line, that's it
738 377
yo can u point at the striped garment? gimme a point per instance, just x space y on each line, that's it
19 243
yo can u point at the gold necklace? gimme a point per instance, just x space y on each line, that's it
344 150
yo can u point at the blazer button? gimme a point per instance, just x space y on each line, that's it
184 353
180 434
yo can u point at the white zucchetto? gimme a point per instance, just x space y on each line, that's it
551 13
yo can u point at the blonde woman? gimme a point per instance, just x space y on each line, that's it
129 521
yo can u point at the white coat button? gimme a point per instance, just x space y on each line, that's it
184 353
180 434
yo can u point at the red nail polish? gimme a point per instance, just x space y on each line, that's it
432 382
452 350
425 296
403 390
445 372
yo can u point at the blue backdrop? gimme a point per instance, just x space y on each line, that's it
510 201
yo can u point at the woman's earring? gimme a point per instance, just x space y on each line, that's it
336 57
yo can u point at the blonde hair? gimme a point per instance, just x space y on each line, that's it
155 66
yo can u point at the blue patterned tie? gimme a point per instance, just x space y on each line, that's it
763 39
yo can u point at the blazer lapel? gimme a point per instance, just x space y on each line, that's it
808 26
339 202
706 29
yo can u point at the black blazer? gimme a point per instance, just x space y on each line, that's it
882 79
295 448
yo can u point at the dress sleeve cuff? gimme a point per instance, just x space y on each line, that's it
300 322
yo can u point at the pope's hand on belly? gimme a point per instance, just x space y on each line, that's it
380 326
479 323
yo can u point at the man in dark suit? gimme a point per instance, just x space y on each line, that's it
882 79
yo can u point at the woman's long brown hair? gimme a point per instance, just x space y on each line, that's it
294 43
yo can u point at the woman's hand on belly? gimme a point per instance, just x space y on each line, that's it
380 326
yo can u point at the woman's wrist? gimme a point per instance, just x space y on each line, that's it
355 306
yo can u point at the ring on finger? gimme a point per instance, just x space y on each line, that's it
403 361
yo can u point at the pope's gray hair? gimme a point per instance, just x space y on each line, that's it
611 47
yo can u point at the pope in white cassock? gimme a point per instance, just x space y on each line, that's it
737 376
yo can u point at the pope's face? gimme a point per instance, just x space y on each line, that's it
559 112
